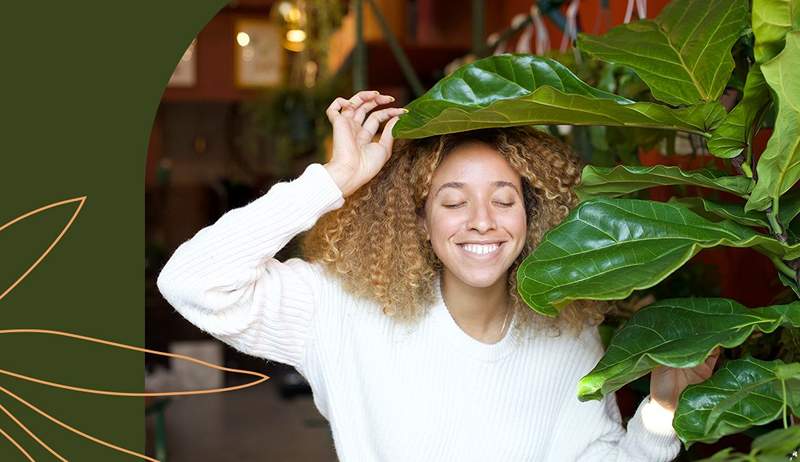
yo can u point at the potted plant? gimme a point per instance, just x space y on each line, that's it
611 245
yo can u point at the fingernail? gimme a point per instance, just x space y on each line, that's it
404 109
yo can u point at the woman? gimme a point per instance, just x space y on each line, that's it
404 316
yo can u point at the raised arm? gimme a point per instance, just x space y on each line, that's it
225 279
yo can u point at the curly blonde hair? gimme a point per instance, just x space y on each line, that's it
376 247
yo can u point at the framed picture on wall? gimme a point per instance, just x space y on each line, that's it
259 53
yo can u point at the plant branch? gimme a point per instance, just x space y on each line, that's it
772 216
785 404
783 267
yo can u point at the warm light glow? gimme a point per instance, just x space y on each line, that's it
296 35
296 47
243 39
289 12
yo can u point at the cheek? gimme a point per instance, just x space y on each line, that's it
442 226
517 223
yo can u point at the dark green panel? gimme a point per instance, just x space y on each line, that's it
80 83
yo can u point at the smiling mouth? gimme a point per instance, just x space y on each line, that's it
481 250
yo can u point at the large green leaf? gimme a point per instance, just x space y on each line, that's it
516 89
678 332
772 20
790 283
684 54
625 179
726 211
779 165
741 394
782 441
775 446
607 248
790 207
736 132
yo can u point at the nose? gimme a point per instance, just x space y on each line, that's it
481 218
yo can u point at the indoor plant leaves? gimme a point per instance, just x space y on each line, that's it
679 332
624 179
606 248
517 89
683 54
772 20
742 393
775 446
779 165
737 130
723 210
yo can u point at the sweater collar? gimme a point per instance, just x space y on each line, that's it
464 342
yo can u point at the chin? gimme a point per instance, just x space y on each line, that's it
479 281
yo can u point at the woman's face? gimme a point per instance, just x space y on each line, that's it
475 215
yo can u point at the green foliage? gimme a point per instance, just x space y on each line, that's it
609 246
737 131
772 20
742 393
624 179
679 332
775 446
726 211
684 54
779 166
511 90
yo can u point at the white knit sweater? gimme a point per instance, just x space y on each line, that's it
430 393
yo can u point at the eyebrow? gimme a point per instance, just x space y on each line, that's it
460 185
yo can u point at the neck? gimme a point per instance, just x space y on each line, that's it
479 311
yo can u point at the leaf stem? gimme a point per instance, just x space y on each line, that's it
746 169
785 404
772 216
783 267
748 154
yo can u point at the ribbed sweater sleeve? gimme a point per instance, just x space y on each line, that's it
595 430
226 281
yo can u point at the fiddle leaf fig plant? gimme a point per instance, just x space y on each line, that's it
683 55
611 245
742 393
511 90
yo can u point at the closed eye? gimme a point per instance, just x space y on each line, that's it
453 206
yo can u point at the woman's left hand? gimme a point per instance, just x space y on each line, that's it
667 383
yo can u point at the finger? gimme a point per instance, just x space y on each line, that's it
386 136
375 120
358 99
712 360
364 109
335 107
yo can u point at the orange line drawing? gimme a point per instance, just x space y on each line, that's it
14 442
262 377
75 430
81 199
31 434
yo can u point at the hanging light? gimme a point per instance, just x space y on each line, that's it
291 16
296 35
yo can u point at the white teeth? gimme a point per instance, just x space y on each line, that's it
480 249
